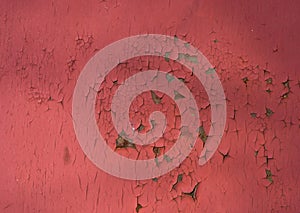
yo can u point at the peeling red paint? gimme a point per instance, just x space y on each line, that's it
254 47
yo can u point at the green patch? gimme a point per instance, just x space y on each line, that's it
141 128
188 57
194 192
179 178
156 162
269 112
175 38
177 95
202 134
121 142
187 45
167 158
210 71
138 207
268 91
155 98
155 179
157 150
245 80
253 114
167 56
153 124
181 79
269 175
269 81
122 134
169 77
286 84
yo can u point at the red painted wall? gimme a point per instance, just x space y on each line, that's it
254 46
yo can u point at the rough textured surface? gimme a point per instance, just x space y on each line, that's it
254 47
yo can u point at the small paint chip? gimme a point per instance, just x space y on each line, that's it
193 192
153 124
188 57
245 80
269 112
157 150
286 84
210 71
202 134
169 77
141 127
268 91
123 143
269 81
181 79
187 45
269 175
167 158
138 207
253 114
155 98
156 162
179 178
175 38
155 179
177 95
167 56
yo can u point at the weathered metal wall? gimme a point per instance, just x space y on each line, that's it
254 46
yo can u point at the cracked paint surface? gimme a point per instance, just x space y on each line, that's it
254 47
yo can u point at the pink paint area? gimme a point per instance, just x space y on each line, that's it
254 48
